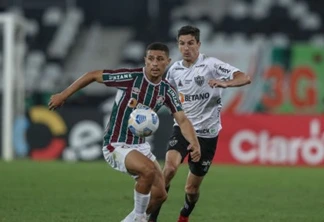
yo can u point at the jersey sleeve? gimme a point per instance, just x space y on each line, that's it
119 77
223 70
172 100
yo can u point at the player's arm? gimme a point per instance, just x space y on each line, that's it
58 99
239 79
226 75
189 133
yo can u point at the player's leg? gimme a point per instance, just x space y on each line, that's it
172 162
129 159
138 164
158 192
198 170
145 170
177 150
191 196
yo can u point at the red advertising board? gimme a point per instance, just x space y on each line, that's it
261 139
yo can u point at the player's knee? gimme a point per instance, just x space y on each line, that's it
148 172
164 196
161 197
169 171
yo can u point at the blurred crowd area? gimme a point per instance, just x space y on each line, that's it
278 42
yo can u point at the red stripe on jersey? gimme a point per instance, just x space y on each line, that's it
141 97
125 83
110 148
120 115
155 94
168 102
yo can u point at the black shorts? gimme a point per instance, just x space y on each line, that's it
207 146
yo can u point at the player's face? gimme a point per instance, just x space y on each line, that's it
189 47
156 62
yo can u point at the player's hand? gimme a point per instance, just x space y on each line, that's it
56 101
217 83
194 152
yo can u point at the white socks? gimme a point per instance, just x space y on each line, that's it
141 202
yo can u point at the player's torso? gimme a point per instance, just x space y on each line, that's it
140 93
201 103
143 93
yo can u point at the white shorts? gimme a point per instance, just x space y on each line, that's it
116 158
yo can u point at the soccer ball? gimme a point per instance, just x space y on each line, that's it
143 122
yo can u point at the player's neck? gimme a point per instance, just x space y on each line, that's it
152 79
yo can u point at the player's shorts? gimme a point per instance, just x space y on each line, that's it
115 154
207 146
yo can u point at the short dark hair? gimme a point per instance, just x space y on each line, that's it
189 30
158 46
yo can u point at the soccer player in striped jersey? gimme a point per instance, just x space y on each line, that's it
200 80
124 151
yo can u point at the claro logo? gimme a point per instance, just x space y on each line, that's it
247 146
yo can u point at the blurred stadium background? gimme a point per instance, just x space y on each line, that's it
276 121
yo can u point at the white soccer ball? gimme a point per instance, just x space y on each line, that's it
143 122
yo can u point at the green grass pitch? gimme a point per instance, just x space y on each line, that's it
84 192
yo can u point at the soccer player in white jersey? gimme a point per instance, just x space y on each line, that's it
199 80
124 151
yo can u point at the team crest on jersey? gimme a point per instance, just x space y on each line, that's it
160 100
199 80
136 90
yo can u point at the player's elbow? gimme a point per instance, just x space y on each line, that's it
247 79
96 76
182 122
180 117
242 78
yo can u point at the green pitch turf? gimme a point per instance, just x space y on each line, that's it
84 192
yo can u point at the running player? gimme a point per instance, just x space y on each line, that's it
124 151
199 80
